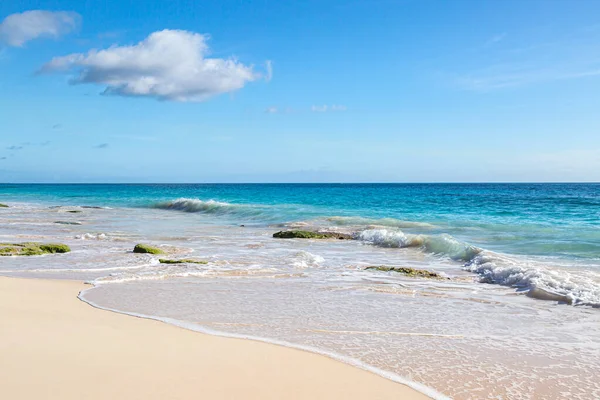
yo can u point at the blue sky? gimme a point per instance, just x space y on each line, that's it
303 91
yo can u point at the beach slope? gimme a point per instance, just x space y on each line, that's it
54 346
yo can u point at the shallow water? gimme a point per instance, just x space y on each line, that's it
461 336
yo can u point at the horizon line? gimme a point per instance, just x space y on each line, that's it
305 183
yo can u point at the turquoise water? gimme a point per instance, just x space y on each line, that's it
561 220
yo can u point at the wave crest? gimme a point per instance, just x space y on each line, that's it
210 207
536 279
437 244
194 205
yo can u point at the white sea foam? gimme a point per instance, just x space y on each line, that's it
156 272
537 279
92 236
304 259
443 244
149 276
99 269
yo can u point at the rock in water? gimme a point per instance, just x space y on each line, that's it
297 234
144 248
32 249
413 272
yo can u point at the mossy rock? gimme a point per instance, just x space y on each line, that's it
412 272
74 211
55 248
183 261
144 248
32 249
67 222
297 234
3 205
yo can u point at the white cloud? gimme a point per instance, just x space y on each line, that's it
272 110
325 108
17 29
168 65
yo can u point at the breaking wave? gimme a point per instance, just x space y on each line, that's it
536 278
442 244
212 207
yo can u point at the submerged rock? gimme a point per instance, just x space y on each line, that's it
413 272
144 248
183 261
3 205
67 222
297 234
32 249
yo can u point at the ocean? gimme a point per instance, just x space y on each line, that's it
516 314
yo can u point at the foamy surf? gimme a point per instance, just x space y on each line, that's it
536 279
304 259
442 244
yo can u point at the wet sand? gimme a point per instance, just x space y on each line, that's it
54 346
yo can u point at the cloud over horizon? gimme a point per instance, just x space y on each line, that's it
167 65
18 29
325 108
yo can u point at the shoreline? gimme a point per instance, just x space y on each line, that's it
55 346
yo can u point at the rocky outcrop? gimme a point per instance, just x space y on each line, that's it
412 272
144 248
182 261
297 234
32 249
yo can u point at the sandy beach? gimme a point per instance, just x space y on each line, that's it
54 346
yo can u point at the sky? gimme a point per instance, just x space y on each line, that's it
299 91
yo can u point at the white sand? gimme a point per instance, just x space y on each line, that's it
54 346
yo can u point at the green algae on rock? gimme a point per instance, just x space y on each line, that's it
144 248
3 205
297 234
74 211
32 249
182 261
67 222
412 272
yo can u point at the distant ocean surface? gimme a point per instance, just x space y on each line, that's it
517 318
